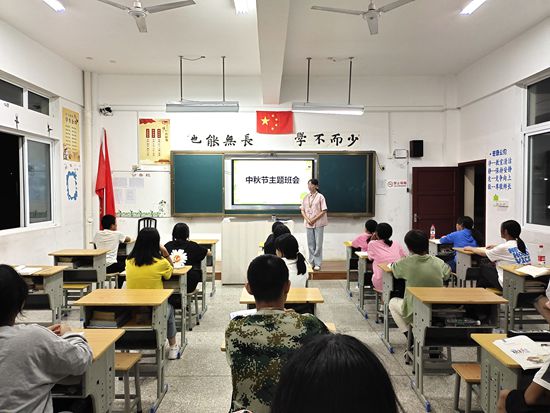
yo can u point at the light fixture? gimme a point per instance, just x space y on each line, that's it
328 108
55 4
244 6
184 105
472 6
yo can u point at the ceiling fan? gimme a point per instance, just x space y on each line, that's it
371 15
139 13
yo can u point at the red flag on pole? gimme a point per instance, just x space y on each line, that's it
279 122
104 181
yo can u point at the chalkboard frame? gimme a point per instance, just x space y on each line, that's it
370 180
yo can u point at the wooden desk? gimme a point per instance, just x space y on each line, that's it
427 303
211 245
295 296
388 288
98 382
50 278
498 371
349 257
331 327
464 261
137 337
361 270
514 289
91 265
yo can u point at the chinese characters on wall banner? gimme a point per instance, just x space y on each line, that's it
154 141
499 170
71 135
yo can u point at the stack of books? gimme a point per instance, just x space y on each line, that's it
110 319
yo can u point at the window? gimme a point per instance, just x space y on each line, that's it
538 179
26 175
38 103
11 93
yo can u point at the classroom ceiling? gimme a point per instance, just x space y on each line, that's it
425 37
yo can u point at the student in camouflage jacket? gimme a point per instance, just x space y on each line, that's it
258 345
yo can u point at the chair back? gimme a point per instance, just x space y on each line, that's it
147 222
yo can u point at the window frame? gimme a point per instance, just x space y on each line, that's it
50 143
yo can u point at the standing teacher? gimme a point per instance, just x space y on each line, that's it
314 211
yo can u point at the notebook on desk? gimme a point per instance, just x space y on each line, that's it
534 271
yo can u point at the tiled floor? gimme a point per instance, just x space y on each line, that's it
200 381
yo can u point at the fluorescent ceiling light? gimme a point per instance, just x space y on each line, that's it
202 106
472 6
55 4
244 6
327 109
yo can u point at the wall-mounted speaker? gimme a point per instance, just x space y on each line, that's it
416 149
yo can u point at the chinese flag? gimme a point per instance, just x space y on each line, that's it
104 181
274 122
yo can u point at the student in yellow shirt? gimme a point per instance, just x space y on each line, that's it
146 266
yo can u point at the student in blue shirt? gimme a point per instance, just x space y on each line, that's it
464 236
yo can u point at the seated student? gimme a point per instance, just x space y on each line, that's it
513 251
146 266
418 270
334 373
464 236
286 247
193 252
382 250
33 358
257 345
534 399
109 239
278 230
362 240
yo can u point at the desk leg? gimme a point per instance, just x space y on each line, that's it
362 267
161 387
204 294
386 336
348 270
183 293
213 249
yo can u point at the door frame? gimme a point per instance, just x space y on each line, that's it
461 170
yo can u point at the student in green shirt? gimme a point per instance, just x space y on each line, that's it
418 270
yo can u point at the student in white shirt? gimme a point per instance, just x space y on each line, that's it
33 358
109 239
512 251
286 247
534 399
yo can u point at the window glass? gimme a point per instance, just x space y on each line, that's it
38 103
538 197
10 176
39 174
11 93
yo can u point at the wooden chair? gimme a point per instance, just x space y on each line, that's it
73 292
471 374
124 363
147 222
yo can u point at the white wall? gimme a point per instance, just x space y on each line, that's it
399 109
29 64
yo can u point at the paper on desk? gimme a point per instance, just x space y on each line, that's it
527 353
362 254
534 271
27 270
242 313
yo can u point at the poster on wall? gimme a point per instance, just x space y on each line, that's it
499 176
154 141
71 135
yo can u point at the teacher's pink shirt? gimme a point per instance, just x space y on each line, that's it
380 253
312 205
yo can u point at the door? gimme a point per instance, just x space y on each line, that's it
437 198
474 174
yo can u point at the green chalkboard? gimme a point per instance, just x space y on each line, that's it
197 184
346 180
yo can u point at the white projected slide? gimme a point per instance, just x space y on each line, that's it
270 181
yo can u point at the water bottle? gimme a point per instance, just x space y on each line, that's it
432 232
541 257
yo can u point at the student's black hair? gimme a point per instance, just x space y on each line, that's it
333 373
107 221
267 275
370 225
417 241
147 247
180 232
315 182
275 225
288 245
384 232
13 293
280 230
514 230
468 223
